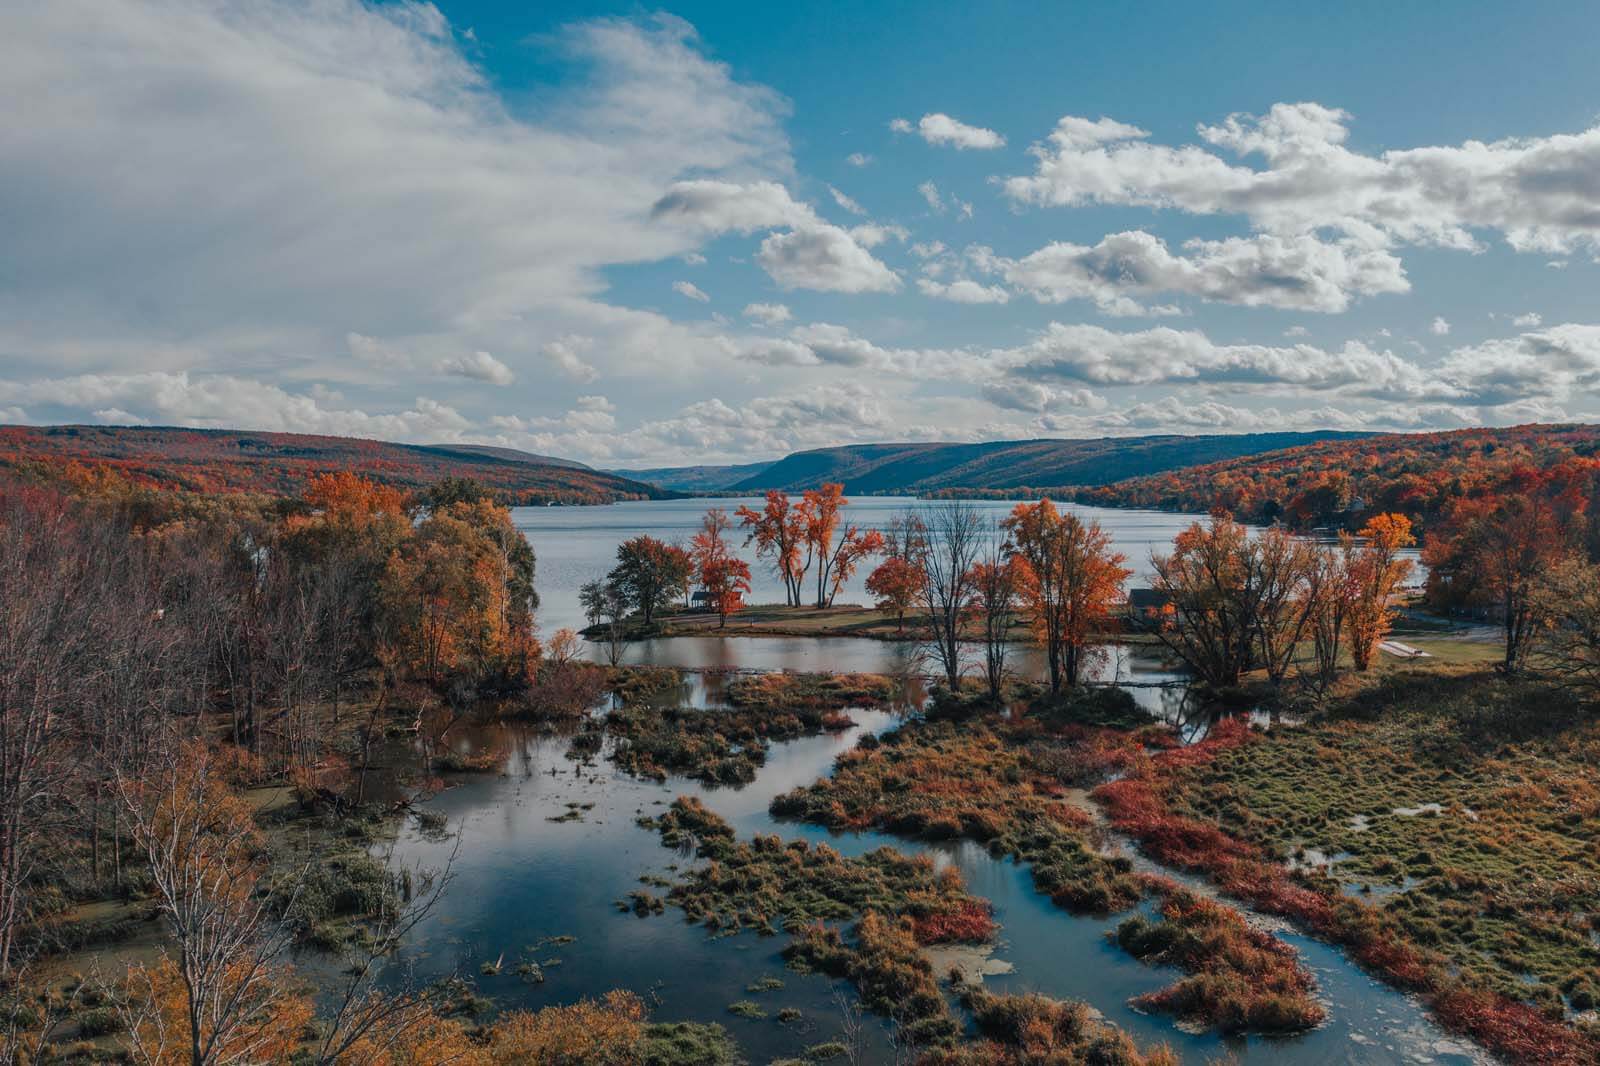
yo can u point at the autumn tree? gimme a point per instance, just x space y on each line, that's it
896 582
219 996
1283 564
459 592
651 574
1566 644
1213 583
724 576
779 532
1503 548
1069 579
995 579
1328 597
837 553
1376 570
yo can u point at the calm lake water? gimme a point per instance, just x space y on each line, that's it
522 877
579 544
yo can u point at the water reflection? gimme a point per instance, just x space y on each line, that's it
528 870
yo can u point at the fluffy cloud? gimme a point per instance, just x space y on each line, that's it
811 254
846 202
170 185
1540 193
690 290
963 291
480 366
768 314
940 129
1439 327
1097 356
825 258
221 400
1296 272
564 353
1546 364
713 207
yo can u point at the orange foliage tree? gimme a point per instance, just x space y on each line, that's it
1375 572
1494 551
837 559
1068 578
724 576
778 531
896 583
459 594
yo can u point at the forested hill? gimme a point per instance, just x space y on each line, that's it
216 460
997 465
1335 483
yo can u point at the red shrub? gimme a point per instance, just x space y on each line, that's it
969 922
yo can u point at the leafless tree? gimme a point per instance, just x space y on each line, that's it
45 656
951 534
201 847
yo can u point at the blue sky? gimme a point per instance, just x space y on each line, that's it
641 236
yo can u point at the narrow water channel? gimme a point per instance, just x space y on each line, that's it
529 868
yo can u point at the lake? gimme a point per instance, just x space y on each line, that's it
579 544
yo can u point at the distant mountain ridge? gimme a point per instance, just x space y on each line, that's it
225 460
695 478
993 465
515 455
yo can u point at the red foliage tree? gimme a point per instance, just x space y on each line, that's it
724 576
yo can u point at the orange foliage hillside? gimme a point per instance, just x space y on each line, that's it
280 464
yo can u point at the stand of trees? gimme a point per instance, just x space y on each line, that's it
796 536
134 624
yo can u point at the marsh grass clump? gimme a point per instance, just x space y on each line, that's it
1485 837
1031 1028
717 747
767 884
688 1044
1238 978
785 691
893 977
636 684
999 786
897 904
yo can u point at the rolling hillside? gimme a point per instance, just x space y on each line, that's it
1338 482
516 455
995 465
696 478
207 460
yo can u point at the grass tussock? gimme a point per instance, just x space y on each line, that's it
785 691
768 885
1027 1029
717 747
1237 978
